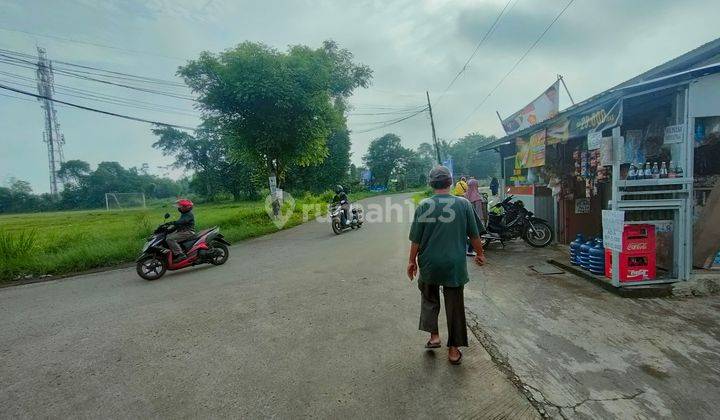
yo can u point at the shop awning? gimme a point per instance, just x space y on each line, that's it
493 145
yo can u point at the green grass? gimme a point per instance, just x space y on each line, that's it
421 195
56 243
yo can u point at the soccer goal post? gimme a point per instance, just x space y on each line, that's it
122 201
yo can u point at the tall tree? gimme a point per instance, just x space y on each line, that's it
332 171
208 156
467 160
277 108
384 157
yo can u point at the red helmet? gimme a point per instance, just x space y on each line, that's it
184 205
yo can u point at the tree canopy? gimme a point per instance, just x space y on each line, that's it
276 109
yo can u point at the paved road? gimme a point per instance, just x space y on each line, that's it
301 323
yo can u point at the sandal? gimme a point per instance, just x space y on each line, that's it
458 361
431 345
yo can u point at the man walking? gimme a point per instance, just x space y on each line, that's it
441 226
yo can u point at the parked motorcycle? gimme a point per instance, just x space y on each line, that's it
206 247
337 218
510 220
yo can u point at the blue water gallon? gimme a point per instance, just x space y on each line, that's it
596 257
575 248
584 257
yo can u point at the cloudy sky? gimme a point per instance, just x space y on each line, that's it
412 46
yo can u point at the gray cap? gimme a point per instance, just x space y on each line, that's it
439 173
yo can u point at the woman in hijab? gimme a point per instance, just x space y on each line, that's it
479 204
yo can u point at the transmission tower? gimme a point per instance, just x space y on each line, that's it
52 135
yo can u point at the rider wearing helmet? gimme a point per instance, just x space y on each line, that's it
342 199
184 228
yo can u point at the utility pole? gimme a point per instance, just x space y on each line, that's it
432 124
52 135
560 78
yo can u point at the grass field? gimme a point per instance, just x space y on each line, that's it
37 244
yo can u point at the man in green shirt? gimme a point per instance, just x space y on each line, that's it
438 235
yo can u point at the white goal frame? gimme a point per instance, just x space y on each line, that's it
113 198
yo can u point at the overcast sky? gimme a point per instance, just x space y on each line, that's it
412 46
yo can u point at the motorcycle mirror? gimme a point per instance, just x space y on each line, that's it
167 215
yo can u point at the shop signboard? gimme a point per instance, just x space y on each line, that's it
272 181
582 206
606 115
594 140
674 134
542 108
613 223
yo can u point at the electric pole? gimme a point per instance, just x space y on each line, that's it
52 135
432 124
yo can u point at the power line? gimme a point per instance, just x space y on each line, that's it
95 44
30 65
111 73
517 63
18 97
477 48
393 122
88 95
127 117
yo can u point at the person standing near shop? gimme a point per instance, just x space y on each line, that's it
461 187
479 205
494 186
441 225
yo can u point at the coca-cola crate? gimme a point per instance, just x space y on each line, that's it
633 267
638 239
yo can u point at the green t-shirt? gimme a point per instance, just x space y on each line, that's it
441 225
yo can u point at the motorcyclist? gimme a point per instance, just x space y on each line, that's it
341 198
184 228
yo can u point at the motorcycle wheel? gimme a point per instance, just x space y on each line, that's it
542 237
224 255
336 226
151 267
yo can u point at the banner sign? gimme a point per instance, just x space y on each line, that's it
613 223
604 116
674 134
594 140
558 133
530 153
542 108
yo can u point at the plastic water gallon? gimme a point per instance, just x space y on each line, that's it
584 257
596 258
575 249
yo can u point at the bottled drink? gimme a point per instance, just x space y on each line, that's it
647 173
671 170
655 171
679 172
663 171
632 172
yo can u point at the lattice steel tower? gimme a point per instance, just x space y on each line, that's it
52 135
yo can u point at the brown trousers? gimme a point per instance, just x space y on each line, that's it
174 238
454 312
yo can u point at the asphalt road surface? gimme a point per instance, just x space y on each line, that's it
301 323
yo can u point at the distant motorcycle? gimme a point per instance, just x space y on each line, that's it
206 247
511 220
337 218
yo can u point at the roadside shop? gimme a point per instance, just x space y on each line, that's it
637 165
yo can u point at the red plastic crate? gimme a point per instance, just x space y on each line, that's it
638 239
633 267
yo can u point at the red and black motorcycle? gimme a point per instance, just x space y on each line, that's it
206 247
